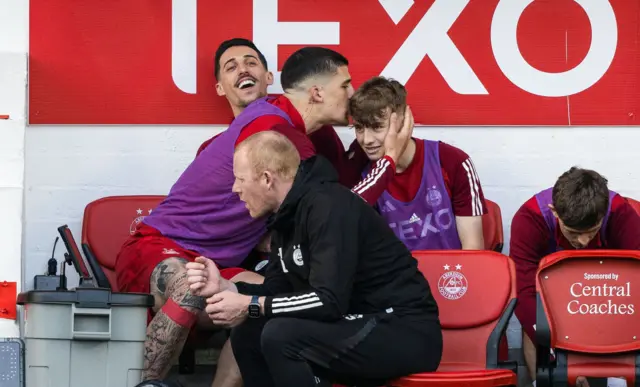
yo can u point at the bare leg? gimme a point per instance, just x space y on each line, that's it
530 358
529 355
227 372
165 338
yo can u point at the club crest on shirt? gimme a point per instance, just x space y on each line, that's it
434 197
452 284
297 255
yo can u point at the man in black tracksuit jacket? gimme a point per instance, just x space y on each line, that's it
342 298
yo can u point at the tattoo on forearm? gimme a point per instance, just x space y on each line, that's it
182 293
192 301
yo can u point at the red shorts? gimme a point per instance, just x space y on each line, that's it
143 251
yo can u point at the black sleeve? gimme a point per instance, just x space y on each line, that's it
331 226
275 281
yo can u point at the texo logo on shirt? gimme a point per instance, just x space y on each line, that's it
428 38
414 228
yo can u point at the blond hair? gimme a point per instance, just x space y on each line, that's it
271 151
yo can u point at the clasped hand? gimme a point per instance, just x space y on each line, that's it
225 307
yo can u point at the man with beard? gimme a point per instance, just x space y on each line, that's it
202 217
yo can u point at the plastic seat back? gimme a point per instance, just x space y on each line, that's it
492 227
107 223
588 312
476 295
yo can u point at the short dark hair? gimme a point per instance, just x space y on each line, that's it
308 62
369 104
581 198
227 44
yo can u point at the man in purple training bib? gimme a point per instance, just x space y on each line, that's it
201 216
435 200
578 212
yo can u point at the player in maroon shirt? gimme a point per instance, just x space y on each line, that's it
579 212
372 107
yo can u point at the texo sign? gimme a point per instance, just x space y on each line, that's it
489 62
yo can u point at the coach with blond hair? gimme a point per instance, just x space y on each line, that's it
342 301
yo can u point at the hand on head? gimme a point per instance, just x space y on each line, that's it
204 277
400 131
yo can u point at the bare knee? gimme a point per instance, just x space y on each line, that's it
163 274
249 277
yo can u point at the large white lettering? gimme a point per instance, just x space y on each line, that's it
268 33
184 43
396 9
428 38
504 41
581 291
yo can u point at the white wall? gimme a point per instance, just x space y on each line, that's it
69 166
13 72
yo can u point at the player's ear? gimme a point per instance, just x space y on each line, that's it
269 78
220 89
316 94
553 210
267 177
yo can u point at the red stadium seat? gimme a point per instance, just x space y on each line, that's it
107 223
476 295
586 313
635 204
492 227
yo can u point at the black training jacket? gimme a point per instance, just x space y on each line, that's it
333 255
